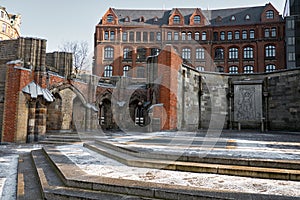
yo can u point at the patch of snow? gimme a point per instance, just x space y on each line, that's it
98 165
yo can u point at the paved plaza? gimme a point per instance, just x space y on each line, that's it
266 147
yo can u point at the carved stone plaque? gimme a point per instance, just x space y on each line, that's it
248 102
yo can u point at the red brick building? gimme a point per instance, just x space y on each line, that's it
234 40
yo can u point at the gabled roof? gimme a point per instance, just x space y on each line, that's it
211 16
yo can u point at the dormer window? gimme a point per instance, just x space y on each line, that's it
247 17
155 19
197 19
142 19
232 18
270 14
176 19
127 19
219 19
110 18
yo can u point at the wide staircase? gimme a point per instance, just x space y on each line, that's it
60 178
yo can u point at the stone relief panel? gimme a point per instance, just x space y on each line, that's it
247 102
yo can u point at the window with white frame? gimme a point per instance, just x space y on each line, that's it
270 51
183 36
108 71
222 35
169 36
176 36
108 53
273 32
244 35
189 36
126 71
219 53
248 52
229 35
106 35
197 19
197 36
203 36
127 53
124 36
112 35
291 56
186 53
267 32
200 68
110 18
270 68
291 40
233 70
252 34
233 53
200 54
237 35
176 19
158 36
248 69
270 14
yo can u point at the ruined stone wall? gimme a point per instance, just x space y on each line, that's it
60 62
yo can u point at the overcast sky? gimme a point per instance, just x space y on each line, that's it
75 20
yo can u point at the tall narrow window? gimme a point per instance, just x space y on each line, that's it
108 53
197 19
141 54
229 35
145 36
244 34
186 53
131 36
183 36
216 36
169 36
176 19
270 51
189 36
248 69
251 35
222 35
248 53
203 36
138 36
273 32
124 36
236 35
200 54
267 32
112 35
197 36
108 71
158 36
233 53
106 35
176 36
151 36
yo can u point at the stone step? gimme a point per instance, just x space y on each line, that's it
53 187
122 156
74 177
250 162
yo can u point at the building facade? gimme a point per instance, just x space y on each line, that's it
237 40
9 25
292 16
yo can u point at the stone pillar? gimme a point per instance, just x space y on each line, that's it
31 121
40 120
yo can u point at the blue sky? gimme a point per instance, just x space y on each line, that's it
75 20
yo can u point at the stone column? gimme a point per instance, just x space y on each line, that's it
31 121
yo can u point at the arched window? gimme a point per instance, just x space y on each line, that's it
106 35
108 53
270 51
252 34
176 36
142 19
237 35
270 14
244 35
110 18
197 19
197 36
176 19
186 53
248 52
108 70
127 53
200 68
222 35
200 54
233 70
204 36
127 19
183 36
248 69
126 71
229 35
233 53
189 36
219 54
270 68
141 54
